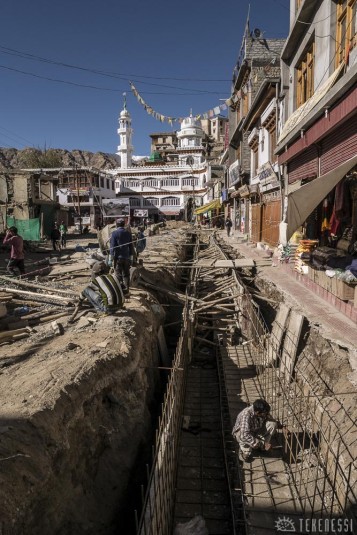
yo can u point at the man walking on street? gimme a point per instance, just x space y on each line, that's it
228 224
121 249
17 251
254 428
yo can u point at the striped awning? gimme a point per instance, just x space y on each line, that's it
213 205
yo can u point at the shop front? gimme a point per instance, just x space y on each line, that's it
322 231
209 214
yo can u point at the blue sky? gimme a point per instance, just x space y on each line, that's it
173 50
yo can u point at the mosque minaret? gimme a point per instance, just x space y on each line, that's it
125 132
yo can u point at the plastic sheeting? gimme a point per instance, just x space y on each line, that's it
304 200
209 206
28 229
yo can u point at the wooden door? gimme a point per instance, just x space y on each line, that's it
256 222
271 217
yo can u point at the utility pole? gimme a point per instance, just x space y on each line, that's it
79 202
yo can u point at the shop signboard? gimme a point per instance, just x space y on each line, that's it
244 191
141 213
116 207
85 220
233 173
266 174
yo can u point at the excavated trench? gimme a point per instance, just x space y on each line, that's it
78 413
76 425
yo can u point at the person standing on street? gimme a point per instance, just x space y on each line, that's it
55 237
121 249
17 251
254 428
228 225
63 231
141 241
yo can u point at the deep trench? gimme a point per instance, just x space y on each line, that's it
326 372
311 374
138 479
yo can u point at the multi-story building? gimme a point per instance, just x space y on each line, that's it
82 190
162 188
255 80
216 138
165 144
317 146
28 201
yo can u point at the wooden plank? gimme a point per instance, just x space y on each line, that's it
291 341
205 262
224 263
244 262
274 342
62 270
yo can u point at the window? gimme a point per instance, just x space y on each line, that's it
151 202
190 182
255 160
272 145
305 77
170 201
170 182
245 102
131 184
151 183
134 202
346 29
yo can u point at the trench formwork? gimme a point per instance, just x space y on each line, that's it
225 359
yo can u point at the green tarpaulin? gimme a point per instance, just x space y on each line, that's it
28 229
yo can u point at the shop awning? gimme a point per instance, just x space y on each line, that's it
209 206
304 200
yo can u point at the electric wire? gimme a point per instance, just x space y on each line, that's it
26 55
87 86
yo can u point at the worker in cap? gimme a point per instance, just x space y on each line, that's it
121 249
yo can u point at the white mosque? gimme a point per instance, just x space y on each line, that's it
157 187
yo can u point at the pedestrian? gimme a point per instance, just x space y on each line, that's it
63 232
121 249
55 237
17 251
140 241
254 428
104 293
228 224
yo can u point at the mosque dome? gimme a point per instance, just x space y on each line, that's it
155 157
124 113
190 128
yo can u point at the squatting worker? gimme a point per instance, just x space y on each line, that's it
254 428
121 249
17 251
104 293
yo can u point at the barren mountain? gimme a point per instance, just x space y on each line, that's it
35 158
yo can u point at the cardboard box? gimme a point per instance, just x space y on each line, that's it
344 291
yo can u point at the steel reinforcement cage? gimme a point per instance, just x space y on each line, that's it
319 459
159 499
